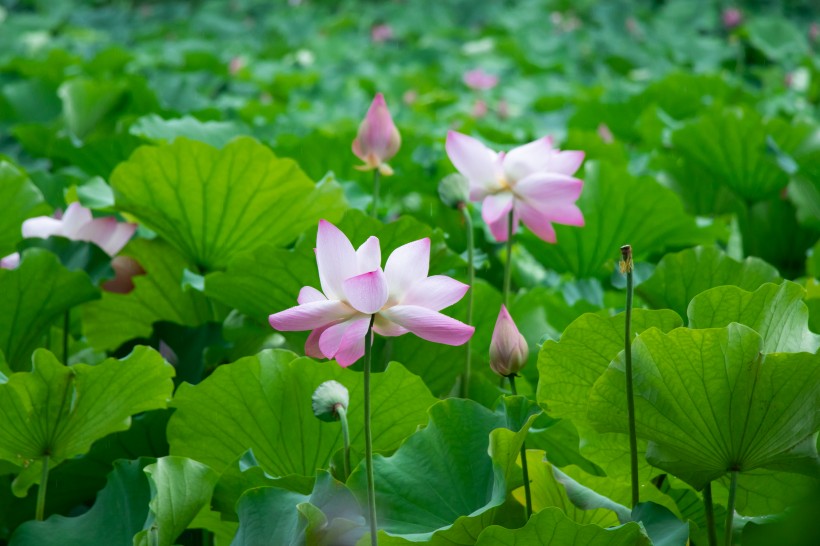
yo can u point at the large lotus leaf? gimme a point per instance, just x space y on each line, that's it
618 209
180 488
550 527
681 276
263 403
559 438
776 312
777 38
426 492
569 368
729 146
32 297
215 204
75 256
154 499
59 411
157 296
270 515
21 199
709 401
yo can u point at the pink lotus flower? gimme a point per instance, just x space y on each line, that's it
533 181
731 18
354 287
378 139
508 348
479 80
381 33
77 224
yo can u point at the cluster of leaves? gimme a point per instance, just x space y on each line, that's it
224 131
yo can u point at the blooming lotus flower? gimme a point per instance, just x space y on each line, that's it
354 287
378 139
533 181
77 224
508 348
480 80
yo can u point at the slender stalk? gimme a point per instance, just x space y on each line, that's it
377 178
468 220
710 514
340 410
524 469
730 509
66 326
41 492
508 264
368 434
626 267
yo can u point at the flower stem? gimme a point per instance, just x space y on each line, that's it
524 469
730 509
627 267
709 508
66 326
368 434
346 436
41 492
508 264
468 220
377 178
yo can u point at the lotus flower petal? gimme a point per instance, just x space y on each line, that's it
528 159
367 292
429 324
309 294
436 292
407 265
336 259
496 207
345 341
369 256
310 315
475 161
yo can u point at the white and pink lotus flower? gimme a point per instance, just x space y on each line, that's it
355 287
533 181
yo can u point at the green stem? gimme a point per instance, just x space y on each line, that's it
508 264
346 436
41 492
66 326
524 469
709 508
730 509
626 265
377 177
368 434
468 220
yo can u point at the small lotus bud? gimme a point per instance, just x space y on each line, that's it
454 189
732 17
378 139
328 398
508 348
479 80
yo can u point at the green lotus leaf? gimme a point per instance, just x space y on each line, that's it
215 204
681 276
21 200
710 401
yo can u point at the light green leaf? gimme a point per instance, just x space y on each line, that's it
776 312
216 204
425 491
681 276
32 297
157 296
663 527
709 401
215 133
777 38
87 102
618 209
180 488
21 200
59 411
551 527
263 402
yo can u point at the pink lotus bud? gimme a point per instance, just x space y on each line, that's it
381 33
605 133
731 17
410 97
814 32
479 109
236 64
480 80
508 348
378 139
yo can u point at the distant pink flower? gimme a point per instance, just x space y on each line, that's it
508 348
77 224
814 32
480 80
731 18
479 109
378 139
235 65
605 133
503 109
354 287
534 181
381 33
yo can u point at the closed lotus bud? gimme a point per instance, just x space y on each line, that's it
508 348
454 190
378 139
328 398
